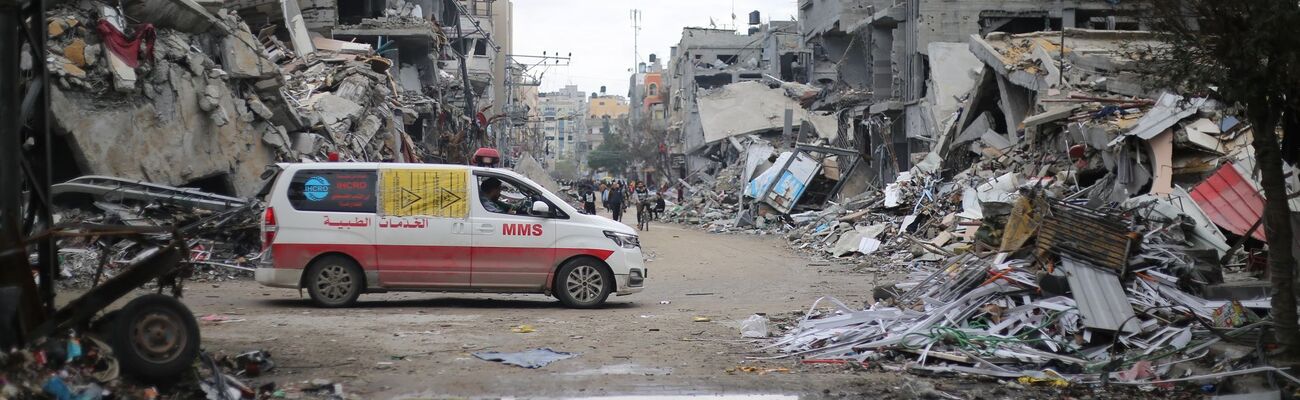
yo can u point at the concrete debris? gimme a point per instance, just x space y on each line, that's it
747 108
194 82
222 231
1046 225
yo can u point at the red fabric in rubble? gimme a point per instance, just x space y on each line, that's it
128 48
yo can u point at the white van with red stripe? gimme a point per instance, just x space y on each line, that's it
343 229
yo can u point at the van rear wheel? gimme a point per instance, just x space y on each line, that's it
583 283
334 281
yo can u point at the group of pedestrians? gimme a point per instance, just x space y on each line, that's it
615 196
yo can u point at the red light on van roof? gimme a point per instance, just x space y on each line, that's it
333 156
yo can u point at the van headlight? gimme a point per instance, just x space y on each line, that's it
623 240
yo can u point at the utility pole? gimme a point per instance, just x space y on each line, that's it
636 37
518 69
469 89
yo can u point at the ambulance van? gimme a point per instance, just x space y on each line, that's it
343 229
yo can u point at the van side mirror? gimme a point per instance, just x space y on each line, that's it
541 208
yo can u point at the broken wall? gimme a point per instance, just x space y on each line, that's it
949 21
171 142
180 116
821 16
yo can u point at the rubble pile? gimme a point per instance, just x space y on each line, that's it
1065 225
84 367
76 366
257 99
352 98
1038 278
223 232
714 201
1101 294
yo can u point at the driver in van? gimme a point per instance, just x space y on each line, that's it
489 193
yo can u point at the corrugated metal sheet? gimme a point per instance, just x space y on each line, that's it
1085 234
1100 297
1231 201
1168 110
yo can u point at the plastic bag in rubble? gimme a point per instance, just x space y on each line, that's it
754 327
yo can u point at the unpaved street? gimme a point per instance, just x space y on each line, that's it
419 344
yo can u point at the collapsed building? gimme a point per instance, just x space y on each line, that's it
705 61
893 69
1053 218
206 94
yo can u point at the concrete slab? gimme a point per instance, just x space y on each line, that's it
182 15
975 130
124 76
1241 290
298 35
411 31
243 57
953 70
1052 114
745 108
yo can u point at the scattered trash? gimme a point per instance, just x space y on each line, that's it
217 319
532 359
758 370
701 319
523 329
254 363
754 327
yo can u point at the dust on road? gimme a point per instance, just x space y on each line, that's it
418 345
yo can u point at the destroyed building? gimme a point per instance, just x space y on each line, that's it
896 68
1060 220
707 59
207 94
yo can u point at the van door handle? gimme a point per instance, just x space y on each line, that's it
458 228
484 228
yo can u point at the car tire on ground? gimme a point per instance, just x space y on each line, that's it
583 283
155 338
334 281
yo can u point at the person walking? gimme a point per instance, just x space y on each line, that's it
604 196
642 198
589 201
616 201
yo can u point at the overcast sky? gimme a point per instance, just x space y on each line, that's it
599 33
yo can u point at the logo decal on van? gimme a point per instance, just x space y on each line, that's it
317 188
521 229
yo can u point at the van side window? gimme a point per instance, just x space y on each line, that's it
504 196
333 190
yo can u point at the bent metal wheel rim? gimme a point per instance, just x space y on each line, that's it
585 284
334 283
159 336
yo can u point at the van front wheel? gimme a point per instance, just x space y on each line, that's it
334 281
583 283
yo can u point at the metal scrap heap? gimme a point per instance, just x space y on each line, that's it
1085 245
221 231
1066 224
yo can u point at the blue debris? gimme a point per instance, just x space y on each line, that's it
1228 123
57 389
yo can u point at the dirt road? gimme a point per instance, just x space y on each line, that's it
418 345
